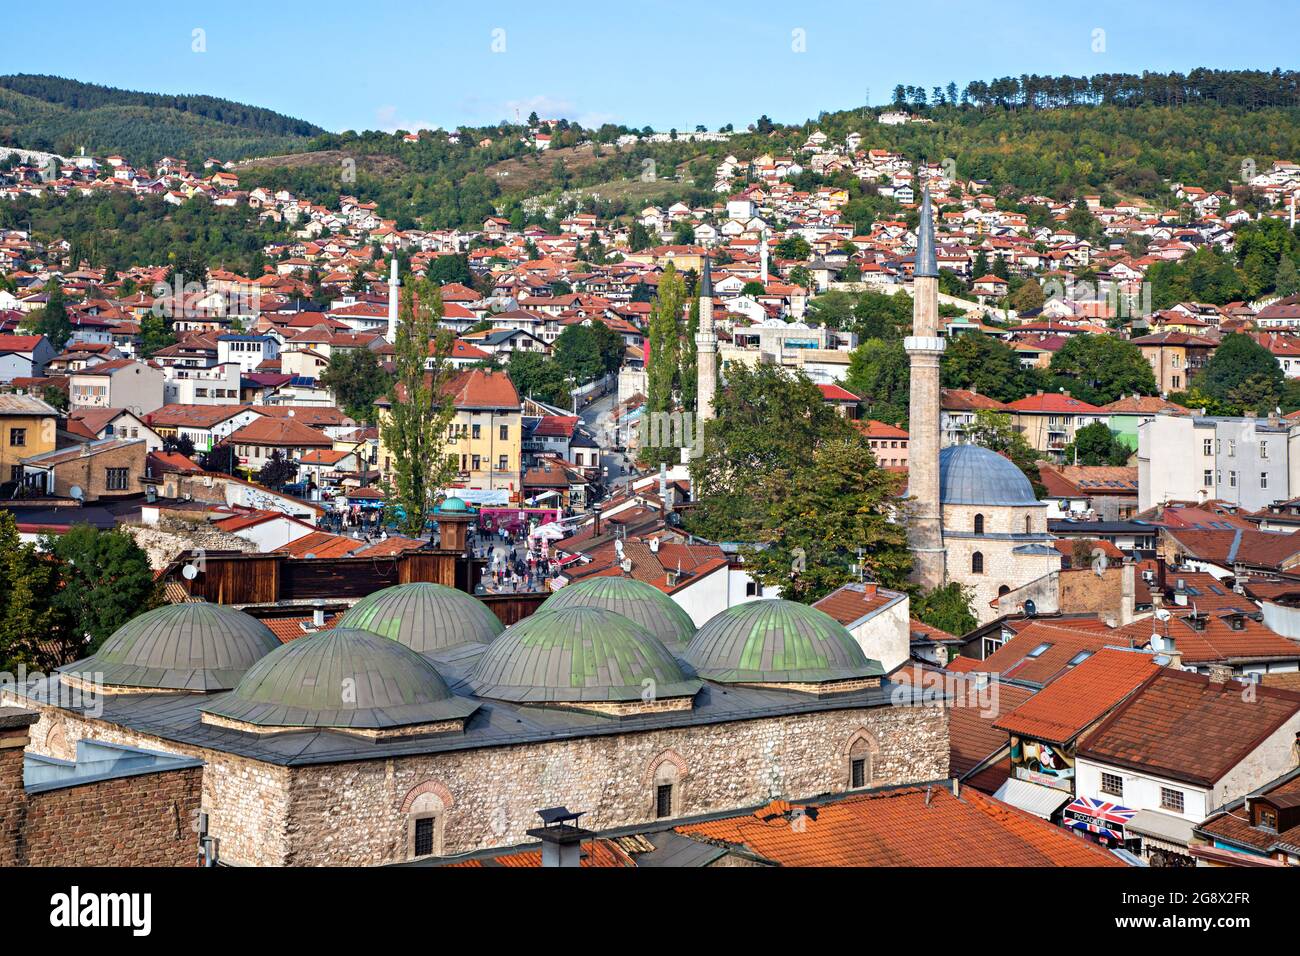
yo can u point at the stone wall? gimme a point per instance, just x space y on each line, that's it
145 819
246 800
358 813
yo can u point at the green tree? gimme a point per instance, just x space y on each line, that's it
1100 369
1028 297
104 580
665 341
28 580
53 322
420 408
950 608
451 268
277 472
879 374
577 353
1287 280
823 515
538 377
1243 374
752 288
357 379
793 246
1096 444
987 365
767 419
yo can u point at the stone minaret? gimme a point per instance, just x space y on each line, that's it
706 349
924 350
393 284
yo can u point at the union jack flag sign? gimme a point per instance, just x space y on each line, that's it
1103 819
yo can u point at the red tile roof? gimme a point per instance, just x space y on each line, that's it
910 826
1013 661
1187 727
1053 403
1082 696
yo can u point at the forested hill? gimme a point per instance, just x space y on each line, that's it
60 115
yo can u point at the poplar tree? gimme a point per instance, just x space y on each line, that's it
416 424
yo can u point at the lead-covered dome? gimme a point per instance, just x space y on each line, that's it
637 601
971 475
773 641
344 679
579 655
424 617
192 646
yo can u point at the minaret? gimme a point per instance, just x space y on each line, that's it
393 284
924 351
706 349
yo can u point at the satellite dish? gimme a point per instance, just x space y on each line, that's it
76 493
1162 614
189 572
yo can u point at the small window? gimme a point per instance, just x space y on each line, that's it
1266 817
1263 479
1079 658
979 524
977 563
1171 799
1112 784
117 479
1039 650
664 800
858 773
505 432
18 437
424 836
751 589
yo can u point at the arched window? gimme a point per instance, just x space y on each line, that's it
666 776
1029 524
977 563
859 759
979 524
1005 589
424 826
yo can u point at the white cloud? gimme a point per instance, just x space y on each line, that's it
388 120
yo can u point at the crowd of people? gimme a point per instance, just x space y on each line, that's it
515 563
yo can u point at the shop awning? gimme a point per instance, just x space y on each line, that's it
1032 797
1162 829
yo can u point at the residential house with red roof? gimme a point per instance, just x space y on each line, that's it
1182 746
1049 420
24 356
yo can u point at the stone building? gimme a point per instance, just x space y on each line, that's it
973 515
428 734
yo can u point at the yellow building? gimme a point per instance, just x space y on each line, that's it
28 426
486 436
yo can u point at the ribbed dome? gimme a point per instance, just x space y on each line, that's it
425 617
637 601
971 475
453 506
578 654
192 646
777 642
344 678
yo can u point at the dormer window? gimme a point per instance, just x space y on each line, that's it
1265 817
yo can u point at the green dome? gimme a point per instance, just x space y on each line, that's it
777 642
425 617
637 601
577 654
453 506
192 646
342 678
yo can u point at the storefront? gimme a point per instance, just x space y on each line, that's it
1164 837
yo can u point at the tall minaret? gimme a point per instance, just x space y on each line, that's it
924 350
393 284
706 349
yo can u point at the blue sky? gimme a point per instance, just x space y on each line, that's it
384 64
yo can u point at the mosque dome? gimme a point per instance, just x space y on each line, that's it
637 601
193 646
773 641
453 505
971 475
346 679
578 655
425 617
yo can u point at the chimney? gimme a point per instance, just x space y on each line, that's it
654 545
1220 673
15 723
1180 593
561 837
318 614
